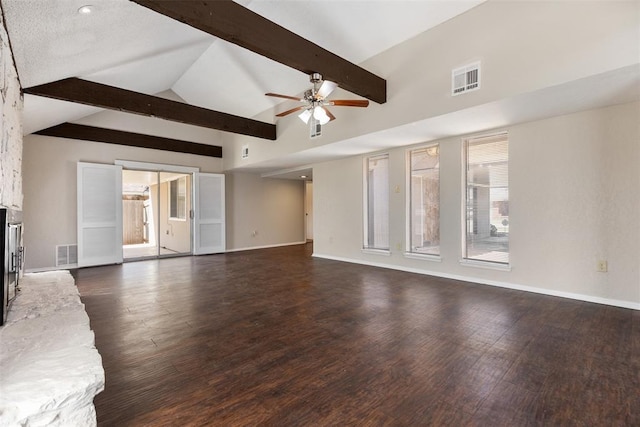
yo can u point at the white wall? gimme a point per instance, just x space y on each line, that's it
272 207
574 200
263 212
524 47
49 166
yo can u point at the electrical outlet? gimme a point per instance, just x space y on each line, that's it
603 266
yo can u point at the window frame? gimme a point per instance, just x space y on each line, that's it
367 247
465 258
182 216
409 250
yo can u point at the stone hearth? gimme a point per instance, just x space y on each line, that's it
50 370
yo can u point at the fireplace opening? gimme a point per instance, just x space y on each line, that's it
11 248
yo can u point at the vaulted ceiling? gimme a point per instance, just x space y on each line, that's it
128 46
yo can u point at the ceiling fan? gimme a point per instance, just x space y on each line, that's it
316 102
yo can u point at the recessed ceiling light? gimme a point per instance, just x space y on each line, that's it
85 10
303 176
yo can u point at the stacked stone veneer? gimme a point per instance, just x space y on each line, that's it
10 126
50 370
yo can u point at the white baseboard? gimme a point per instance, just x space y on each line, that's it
251 248
73 266
551 292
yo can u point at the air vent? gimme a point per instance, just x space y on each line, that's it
315 128
66 255
245 151
465 79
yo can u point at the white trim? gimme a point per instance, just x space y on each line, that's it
365 194
372 251
155 167
186 208
496 134
487 265
570 295
408 190
407 200
74 266
277 245
423 257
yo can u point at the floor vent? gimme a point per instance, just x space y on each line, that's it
465 79
66 255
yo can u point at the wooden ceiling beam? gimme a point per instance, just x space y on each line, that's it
236 24
100 95
111 136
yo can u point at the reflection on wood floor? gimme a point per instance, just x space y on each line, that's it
276 337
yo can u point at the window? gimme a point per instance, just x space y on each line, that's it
487 199
178 198
424 200
376 219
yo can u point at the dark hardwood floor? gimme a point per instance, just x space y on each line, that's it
275 337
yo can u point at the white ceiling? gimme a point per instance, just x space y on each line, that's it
126 45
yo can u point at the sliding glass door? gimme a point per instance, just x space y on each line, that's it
134 210
175 213
156 214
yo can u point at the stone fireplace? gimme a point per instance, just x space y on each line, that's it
49 365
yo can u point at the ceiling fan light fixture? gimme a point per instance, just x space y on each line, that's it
314 101
305 116
326 88
85 10
320 115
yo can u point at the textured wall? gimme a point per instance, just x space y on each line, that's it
263 212
10 127
573 200
50 180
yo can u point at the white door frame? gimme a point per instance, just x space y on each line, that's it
198 222
308 210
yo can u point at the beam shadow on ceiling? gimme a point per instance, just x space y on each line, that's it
236 24
100 95
111 136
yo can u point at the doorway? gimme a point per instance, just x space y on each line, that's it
156 214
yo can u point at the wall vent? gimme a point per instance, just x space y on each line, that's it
465 79
245 151
315 128
66 255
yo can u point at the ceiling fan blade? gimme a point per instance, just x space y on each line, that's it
331 116
326 88
277 95
350 102
293 110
